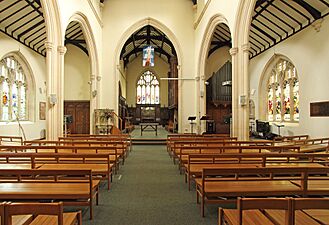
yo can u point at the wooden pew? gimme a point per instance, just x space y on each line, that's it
17 219
308 145
11 140
196 162
317 208
74 187
93 137
220 184
285 211
212 143
43 213
99 164
291 138
111 150
171 139
248 211
249 147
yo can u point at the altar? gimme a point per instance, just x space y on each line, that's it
152 126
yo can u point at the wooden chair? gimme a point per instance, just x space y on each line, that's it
316 208
43 213
248 213
2 213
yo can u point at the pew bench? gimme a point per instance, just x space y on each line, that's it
196 162
214 146
41 214
285 211
222 185
308 145
125 138
99 164
74 187
17 219
184 152
173 140
11 140
114 156
119 147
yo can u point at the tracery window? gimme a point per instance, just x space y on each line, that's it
13 87
148 90
283 93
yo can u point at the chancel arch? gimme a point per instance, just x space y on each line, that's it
149 36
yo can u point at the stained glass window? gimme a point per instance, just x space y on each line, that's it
13 89
148 90
283 93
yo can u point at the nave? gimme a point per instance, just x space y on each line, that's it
148 189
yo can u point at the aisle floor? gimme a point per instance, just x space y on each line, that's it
149 190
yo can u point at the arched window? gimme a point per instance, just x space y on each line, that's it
148 90
13 87
283 93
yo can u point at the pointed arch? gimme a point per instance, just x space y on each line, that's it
90 40
203 53
171 36
155 23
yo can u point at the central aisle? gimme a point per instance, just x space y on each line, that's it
149 190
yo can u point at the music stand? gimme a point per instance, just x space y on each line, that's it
191 119
205 117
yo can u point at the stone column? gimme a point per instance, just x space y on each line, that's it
52 117
244 94
235 87
60 89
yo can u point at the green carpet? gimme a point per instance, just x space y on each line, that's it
149 190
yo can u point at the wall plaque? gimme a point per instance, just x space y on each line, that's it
319 109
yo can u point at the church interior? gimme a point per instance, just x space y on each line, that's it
164 112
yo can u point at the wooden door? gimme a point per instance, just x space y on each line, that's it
80 111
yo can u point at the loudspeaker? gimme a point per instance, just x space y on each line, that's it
52 99
242 100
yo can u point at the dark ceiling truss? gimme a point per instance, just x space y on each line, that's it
221 37
147 35
276 20
23 21
74 36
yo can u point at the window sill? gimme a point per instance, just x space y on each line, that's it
286 124
14 123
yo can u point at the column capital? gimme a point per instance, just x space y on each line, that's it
245 47
61 49
49 45
98 78
92 77
234 51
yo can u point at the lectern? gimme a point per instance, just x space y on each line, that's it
191 119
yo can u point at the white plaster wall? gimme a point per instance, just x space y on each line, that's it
135 70
85 7
176 15
228 11
76 74
216 61
38 66
309 52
